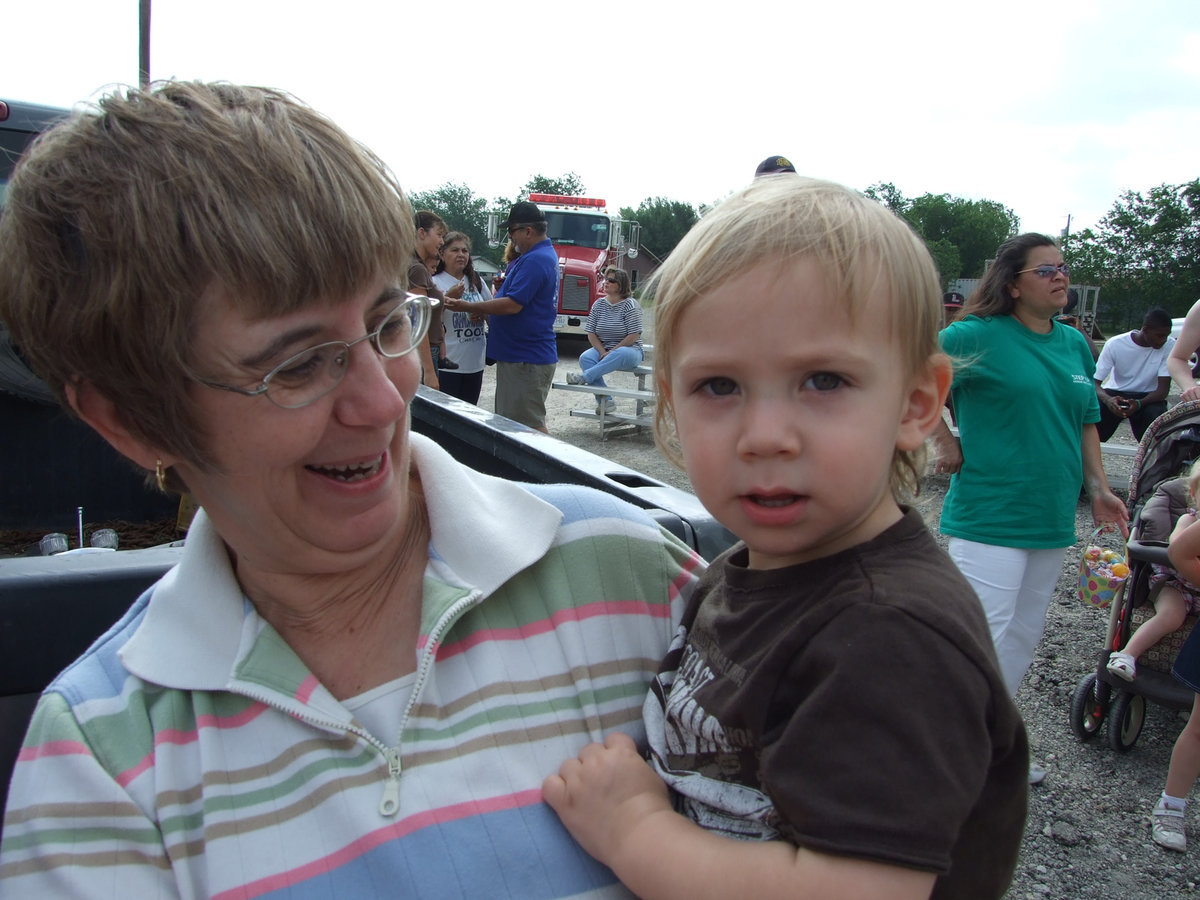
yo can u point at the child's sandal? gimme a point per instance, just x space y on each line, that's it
1122 665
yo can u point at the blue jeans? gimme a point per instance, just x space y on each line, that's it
619 359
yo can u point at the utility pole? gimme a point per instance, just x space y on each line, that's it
144 43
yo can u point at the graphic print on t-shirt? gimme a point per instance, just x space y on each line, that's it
711 768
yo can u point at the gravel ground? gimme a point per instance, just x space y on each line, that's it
1088 831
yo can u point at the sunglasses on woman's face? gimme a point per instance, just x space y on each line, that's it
1047 271
611 280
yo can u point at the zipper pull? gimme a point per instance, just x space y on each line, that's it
389 805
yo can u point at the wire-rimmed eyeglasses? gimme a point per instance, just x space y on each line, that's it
311 374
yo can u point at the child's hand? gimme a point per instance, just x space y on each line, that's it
605 794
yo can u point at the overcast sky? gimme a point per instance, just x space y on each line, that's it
1051 107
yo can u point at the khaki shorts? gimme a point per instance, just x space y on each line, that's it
521 390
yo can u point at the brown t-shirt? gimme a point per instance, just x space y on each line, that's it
851 705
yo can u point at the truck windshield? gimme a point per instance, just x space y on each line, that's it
577 229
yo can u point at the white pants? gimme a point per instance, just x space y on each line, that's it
1015 587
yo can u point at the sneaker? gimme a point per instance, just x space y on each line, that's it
1036 774
1168 828
608 405
575 378
1122 665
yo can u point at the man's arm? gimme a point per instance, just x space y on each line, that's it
1118 406
617 808
497 306
1159 393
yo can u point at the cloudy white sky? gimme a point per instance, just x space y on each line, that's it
1051 107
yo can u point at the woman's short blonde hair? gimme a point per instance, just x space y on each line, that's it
855 241
121 218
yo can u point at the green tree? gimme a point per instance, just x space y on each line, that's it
889 195
947 259
975 227
962 235
664 223
462 211
1145 252
569 184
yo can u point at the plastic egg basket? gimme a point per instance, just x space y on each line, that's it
1101 573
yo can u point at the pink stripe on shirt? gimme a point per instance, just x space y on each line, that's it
544 626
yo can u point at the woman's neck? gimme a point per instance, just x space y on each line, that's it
1032 322
354 630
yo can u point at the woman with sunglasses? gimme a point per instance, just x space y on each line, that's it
614 330
1026 409
369 656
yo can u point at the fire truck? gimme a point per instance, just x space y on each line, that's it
588 239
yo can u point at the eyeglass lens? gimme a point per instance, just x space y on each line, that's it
1048 271
311 374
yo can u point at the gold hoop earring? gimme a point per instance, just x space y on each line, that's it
160 476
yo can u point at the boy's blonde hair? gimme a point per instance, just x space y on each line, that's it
859 245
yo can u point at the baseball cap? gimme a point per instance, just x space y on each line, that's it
523 213
774 164
953 298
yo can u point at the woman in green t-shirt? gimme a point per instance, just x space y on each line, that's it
1026 410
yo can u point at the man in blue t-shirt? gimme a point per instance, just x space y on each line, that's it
521 325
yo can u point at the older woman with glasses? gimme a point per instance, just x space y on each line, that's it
614 330
1026 409
360 672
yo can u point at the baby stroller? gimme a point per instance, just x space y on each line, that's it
1157 496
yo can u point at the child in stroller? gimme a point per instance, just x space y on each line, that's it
1168 828
1164 544
1177 597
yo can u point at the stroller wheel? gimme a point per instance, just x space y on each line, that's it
1088 708
1126 720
